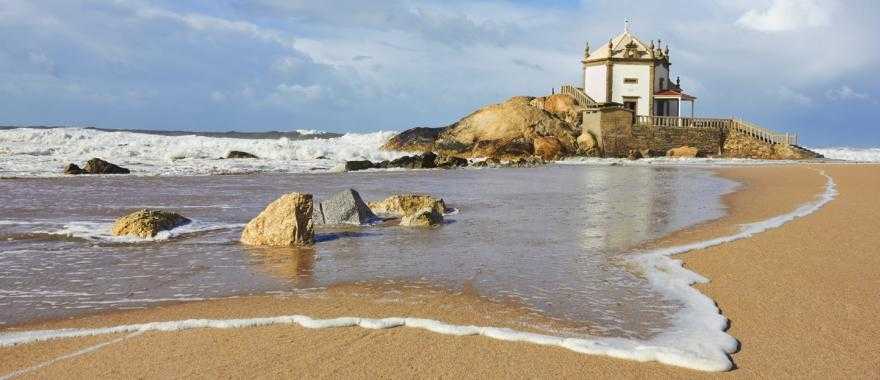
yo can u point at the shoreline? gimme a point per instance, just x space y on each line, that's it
740 210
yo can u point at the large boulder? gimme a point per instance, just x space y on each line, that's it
147 223
425 217
99 166
548 148
587 145
405 204
684 151
344 207
239 154
285 222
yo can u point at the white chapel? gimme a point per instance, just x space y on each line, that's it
629 72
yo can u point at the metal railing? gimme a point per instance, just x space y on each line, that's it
742 126
578 94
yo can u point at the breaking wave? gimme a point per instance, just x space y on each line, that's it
41 152
851 154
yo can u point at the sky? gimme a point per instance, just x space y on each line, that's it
804 66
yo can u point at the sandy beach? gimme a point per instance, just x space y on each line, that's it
801 299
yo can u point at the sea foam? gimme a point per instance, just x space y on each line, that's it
29 152
850 154
697 339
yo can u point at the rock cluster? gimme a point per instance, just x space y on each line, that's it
147 223
95 166
427 160
285 222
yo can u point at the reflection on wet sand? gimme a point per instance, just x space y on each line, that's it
295 264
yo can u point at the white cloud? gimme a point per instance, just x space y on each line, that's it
296 93
789 95
784 15
845 92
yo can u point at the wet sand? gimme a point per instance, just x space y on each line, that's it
801 299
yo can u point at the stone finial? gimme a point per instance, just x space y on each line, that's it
587 50
666 50
678 81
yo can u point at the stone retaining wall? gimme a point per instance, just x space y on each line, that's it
614 131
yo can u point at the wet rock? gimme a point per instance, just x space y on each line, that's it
490 162
646 153
525 162
405 204
425 217
351 166
685 151
634 154
99 166
240 154
285 222
147 223
73 169
448 162
344 207
423 161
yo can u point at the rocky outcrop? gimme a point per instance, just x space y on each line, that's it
425 217
504 130
344 207
285 222
240 154
684 151
427 160
95 166
73 169
99 166
405 204
147 223
414 140
741 145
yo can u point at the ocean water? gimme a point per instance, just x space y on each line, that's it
549 238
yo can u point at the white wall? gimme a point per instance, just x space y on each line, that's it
595 77
642 89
